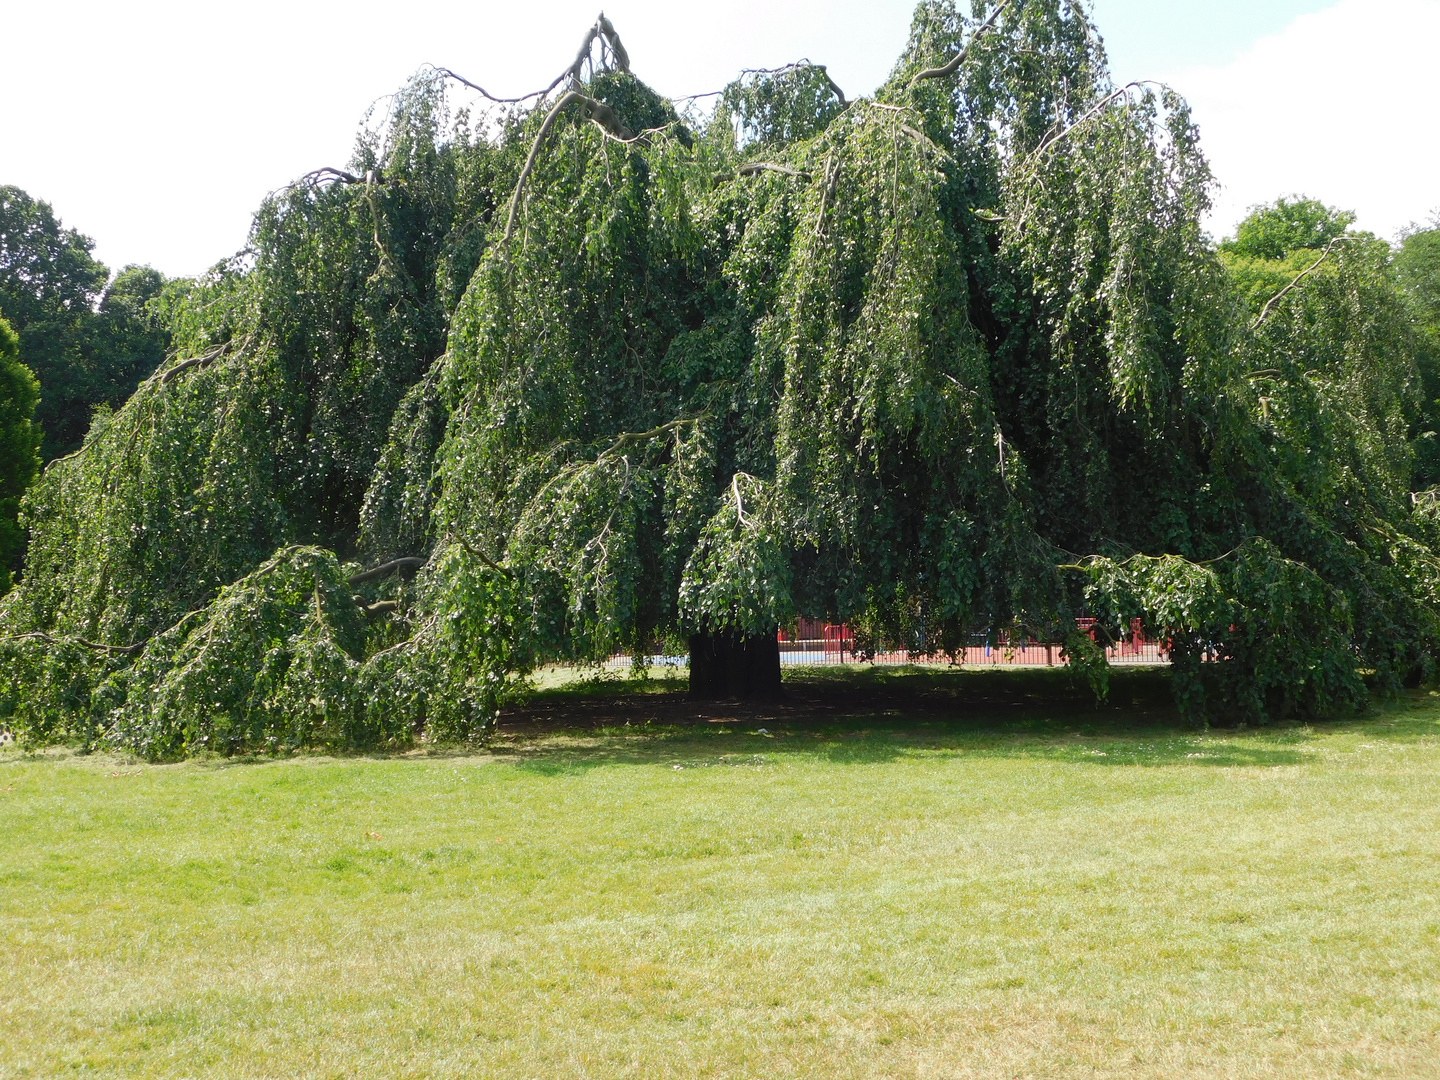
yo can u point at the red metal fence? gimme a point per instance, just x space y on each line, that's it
814 642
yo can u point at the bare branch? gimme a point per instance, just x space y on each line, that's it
645 436
499 100
754 167
622 58
959 58
606 119
409 563
603 28
920 137
477 553
320 176
205 359
785 69
834 86
745 522
583 54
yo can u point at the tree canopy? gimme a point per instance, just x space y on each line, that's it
1288 224
593 372
1417 265
19 441
89 343
1418 262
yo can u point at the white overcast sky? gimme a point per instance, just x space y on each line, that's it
157 127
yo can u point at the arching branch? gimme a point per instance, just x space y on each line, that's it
1094 111
545 126
449 74
567 473
755 167
205 359
630 437
786 69
601 114
617 49
603 29
409 563
478 554
372 179
745 522
606 119
959 58
834 86
339 176
117 650
1265 311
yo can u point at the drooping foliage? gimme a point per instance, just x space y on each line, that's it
599 375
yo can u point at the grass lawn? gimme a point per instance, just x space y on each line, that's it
973 884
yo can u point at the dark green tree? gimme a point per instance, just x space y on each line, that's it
1417 265
599 375
19 442
89 344
1418 262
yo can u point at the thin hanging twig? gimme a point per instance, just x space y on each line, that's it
119 650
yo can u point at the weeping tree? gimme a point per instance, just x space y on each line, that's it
594 372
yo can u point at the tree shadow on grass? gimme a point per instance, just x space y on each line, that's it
877 715
878 746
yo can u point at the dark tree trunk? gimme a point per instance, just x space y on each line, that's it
726 664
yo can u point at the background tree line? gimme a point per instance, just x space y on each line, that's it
89 338
86 339
1277 241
